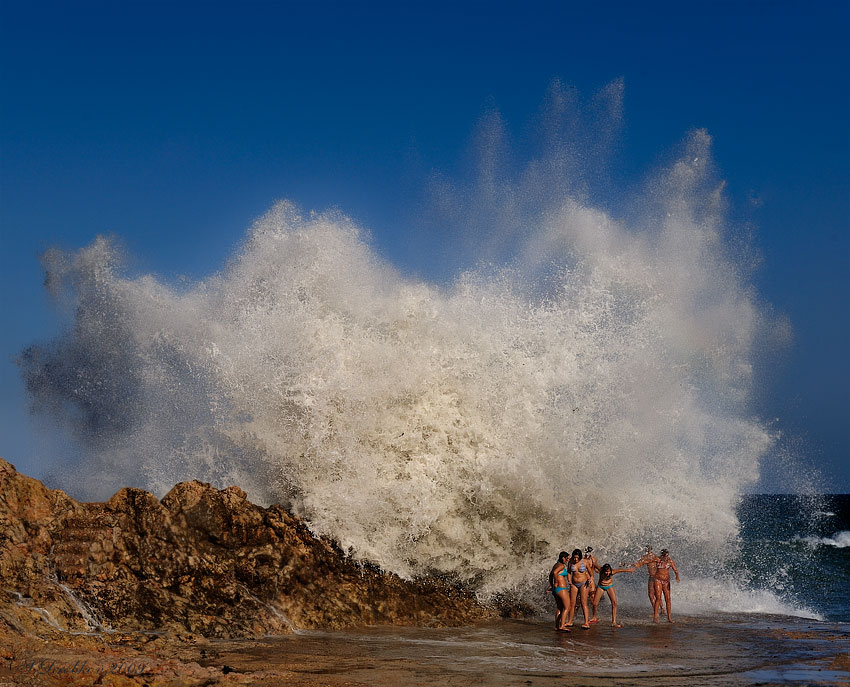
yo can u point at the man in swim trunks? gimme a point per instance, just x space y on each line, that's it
662 583
650 560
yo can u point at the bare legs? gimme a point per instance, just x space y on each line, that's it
559 607
562 598
651 591
592 598
582 594
656 600
662 589
665 587
612 597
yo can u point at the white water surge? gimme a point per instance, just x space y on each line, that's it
593 388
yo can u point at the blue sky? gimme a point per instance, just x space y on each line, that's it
174 125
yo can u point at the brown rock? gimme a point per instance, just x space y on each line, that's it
202 560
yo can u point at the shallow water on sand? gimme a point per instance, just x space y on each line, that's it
692 651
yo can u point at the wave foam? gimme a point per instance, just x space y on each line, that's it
840 540
594 387
705 596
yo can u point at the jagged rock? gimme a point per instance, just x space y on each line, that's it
202 560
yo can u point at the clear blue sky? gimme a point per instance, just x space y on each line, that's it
174 124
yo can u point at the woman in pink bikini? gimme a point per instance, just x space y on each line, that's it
662 583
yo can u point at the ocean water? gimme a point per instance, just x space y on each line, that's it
585 376
798 547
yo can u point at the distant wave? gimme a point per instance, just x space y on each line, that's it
840 540
706 596
824 514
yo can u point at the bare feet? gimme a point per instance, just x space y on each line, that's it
616 625
586 626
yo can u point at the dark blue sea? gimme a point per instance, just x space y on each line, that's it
799 548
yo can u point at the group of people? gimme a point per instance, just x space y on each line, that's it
572 583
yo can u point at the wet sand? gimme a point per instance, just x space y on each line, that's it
694 651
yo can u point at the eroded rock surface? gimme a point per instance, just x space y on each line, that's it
201 561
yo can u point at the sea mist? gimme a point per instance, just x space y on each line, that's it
585 377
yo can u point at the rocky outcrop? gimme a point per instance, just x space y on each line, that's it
201 560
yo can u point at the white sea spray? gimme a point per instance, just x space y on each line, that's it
590 384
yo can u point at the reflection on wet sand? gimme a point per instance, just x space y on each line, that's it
720 650
694 651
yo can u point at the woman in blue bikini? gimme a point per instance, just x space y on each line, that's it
606 585
559 586
580 577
